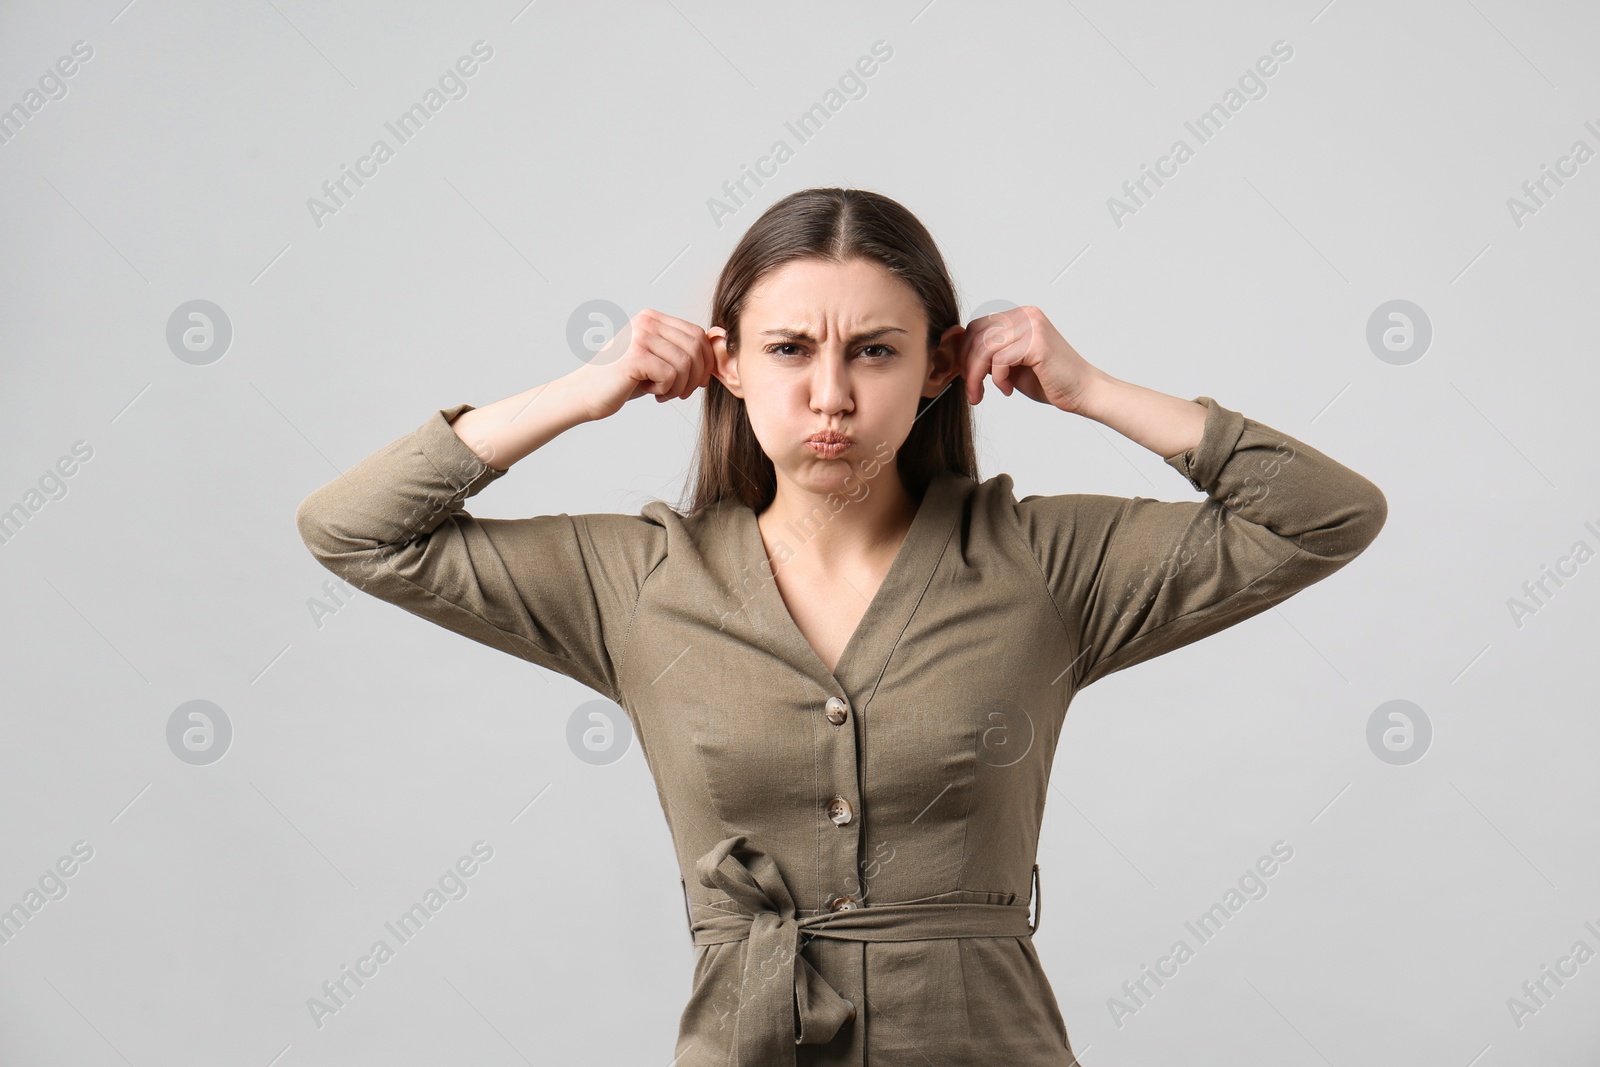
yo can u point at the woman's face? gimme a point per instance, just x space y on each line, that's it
833 347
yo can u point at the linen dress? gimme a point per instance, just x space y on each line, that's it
857 846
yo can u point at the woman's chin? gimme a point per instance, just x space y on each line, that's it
813 474
809 471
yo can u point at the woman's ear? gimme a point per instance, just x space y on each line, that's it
945 362
725 365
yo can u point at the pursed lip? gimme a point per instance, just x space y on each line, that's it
830 437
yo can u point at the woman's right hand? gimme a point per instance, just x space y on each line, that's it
653 353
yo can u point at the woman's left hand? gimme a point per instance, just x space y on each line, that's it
1022 350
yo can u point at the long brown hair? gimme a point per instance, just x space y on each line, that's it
836 225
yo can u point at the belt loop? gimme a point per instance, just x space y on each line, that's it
1038 901
687 914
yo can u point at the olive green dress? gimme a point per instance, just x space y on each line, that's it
857 846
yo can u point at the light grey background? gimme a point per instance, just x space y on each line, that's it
370 750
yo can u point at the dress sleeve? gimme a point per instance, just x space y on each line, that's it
1134 577
556 590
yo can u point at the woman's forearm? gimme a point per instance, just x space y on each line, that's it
507 430
1165 424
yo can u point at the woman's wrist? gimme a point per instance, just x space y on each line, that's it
1166 425
1092 399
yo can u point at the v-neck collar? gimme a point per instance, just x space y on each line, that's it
867 651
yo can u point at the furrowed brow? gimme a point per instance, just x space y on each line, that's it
801 335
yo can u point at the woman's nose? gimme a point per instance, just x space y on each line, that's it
830 383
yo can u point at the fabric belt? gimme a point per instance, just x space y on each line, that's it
783 1001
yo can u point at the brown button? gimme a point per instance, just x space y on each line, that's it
837 710
843 904
839 811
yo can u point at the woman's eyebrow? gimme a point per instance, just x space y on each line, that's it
801 335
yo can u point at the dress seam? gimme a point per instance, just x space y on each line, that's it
633 612
1044 584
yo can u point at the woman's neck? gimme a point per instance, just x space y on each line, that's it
825 533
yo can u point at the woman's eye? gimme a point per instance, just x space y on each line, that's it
876 352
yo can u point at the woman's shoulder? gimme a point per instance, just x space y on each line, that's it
713 518
996 502
660 529
997 490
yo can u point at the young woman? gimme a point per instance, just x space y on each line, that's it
848 661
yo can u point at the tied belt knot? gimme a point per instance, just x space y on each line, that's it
783 1001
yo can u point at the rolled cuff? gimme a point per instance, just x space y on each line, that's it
1203 463
453 458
